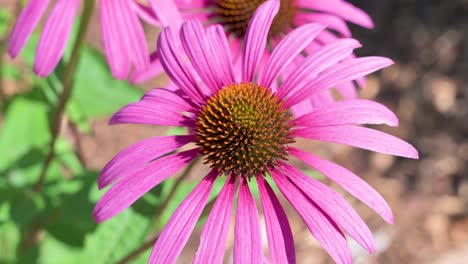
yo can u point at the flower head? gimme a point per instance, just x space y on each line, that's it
243 128
122 33
234 16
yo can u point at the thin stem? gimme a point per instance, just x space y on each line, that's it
67 84
134 254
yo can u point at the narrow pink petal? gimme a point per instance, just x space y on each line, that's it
340 8
287 50
314 64
172 99
247 236
114 48
360 137
348 181
348 112
172 58
150 113
348 90
220 48
128 190
154 69
137 155
256 37
167 12
322 227
54 36
203 59
334 205
215 231
145 13
177 231
346 71
332 22
27 21
321 99
280 238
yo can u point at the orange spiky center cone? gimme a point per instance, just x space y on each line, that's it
243 129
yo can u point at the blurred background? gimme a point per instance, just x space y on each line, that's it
427 89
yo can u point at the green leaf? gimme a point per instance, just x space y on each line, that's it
4 17
9 239
25 128
95 92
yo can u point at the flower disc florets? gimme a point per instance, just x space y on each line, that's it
235 15
243 129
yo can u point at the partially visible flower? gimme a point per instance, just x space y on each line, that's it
234 16
244 130
122 33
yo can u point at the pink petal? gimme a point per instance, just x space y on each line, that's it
340 8
346 71
214 234
287 50
280 238
167 12
54 36
145 13
27 21
348 181
334 205
348 112
314 64
137 155
198 50
172 99
332 22
322 227
247 236
348 90
128 190
147 112
154 69
219 44
123 37
173 61
256 37
177 231
360 137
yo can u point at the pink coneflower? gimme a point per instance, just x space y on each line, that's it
234 16
244 130
123 36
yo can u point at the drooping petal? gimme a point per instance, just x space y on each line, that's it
348 181
332 22
322 227
172 59
343 72
167 12
178 229
348 90
214 234
123 37
314 64
247 236
360 137
256 37
289 47
340 8
280 238
128 190
348 112
334 205
135 156
27 21
55 36
154 69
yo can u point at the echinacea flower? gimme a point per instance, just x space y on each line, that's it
122 33
244 130
234 16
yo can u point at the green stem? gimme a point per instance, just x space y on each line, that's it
67 85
